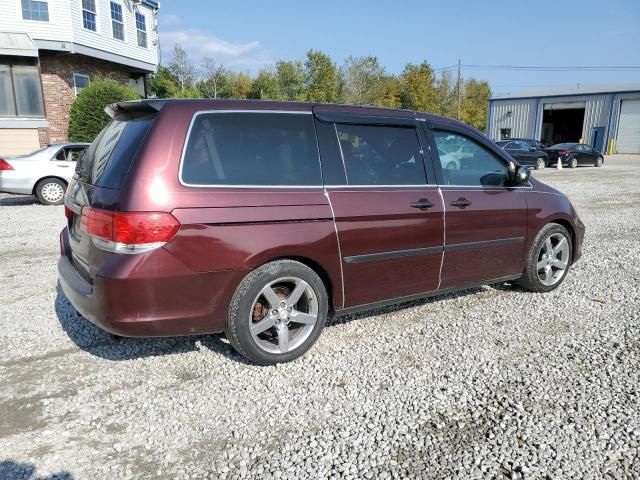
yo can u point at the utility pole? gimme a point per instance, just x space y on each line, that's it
458 116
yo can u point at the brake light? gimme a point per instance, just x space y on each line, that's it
68 212
4 165
128 232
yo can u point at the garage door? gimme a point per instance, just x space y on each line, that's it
629 127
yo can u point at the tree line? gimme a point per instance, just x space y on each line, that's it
359 81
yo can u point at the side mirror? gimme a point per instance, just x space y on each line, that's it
532 149
521 176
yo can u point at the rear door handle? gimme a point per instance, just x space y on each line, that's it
461 203
62 166
422 204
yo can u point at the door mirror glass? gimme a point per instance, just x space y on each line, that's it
532 149
521 176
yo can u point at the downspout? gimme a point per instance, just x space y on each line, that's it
609 135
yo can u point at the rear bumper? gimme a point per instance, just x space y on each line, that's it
12 181
153 298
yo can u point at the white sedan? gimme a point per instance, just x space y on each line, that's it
44 173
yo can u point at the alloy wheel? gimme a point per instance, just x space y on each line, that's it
283 315
573 163
540 164
52 192
553 259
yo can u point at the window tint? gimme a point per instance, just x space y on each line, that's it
471 165
330 157
377 155
28 91
263 149
107 160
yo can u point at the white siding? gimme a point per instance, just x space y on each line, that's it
65 26
102 39
58 28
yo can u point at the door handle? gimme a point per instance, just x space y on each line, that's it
422 204
461 203
62 166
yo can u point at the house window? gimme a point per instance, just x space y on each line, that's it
117 24
505 133
35 10
141 27
89 14
20 91
79 82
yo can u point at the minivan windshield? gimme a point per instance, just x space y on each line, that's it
107 160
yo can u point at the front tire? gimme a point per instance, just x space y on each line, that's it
548 260
277 312
541 163
599 162
50 191
573 162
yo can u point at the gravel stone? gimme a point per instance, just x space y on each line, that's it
493 382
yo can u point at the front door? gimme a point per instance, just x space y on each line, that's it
486 221
388 219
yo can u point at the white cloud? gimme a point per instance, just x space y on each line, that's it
240 56
169 19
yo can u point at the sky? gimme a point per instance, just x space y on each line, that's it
247 35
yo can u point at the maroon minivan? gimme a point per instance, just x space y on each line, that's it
260 219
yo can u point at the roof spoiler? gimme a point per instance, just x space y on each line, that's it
134 107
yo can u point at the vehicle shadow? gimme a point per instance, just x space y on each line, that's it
102 344
18 200
12 470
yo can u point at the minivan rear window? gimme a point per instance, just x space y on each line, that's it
107 160
257 149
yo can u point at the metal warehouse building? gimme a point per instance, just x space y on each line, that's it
605 117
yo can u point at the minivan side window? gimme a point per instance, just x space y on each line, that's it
381 155
466 162
251 149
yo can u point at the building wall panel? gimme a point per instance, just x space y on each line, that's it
518 115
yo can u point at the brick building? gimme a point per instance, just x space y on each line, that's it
51 49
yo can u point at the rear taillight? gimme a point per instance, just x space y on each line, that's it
4 165
68 212
128 232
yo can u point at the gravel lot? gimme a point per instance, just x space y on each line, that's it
493 382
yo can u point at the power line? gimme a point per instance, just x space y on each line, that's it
610 68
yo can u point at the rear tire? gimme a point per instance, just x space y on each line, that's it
50 191
573 162
548 260
541 163
277 312
599 162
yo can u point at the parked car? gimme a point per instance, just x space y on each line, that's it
574 154
531 141
525 153
261 219
44 173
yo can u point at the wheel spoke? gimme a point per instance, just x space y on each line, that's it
271 296
561 264
264 324
559 246
305 318
548 246
548 274
294 296
283 338
541 265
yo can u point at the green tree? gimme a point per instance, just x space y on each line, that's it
417 88
238 86
473 108
162 84
265 86
363 81
321 78
446 101
87 116
181 67
391 87
291 80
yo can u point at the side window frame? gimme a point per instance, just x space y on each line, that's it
188 138
429 176
498 153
